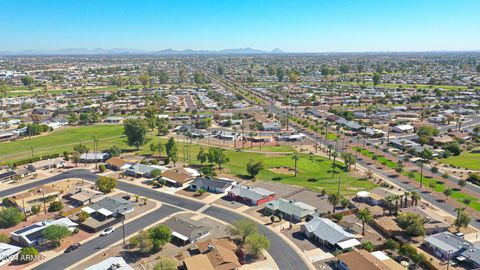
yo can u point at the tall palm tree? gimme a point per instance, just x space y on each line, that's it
415 197
459 210
365 216
333 199
295 158
389 200
397 198
405 203
251 135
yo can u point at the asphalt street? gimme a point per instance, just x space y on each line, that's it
284 255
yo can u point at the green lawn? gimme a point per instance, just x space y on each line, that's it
61 140
383 160
314 172
470 160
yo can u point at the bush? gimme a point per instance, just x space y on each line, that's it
55 206
27 254
10 217
338 216
35 209
368 246
83 216
101 168
391 244
4 238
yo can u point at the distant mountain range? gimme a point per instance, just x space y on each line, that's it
121 51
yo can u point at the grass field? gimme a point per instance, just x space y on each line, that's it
60 140
314 172
469 160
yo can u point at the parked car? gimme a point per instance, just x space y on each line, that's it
72 247
107 231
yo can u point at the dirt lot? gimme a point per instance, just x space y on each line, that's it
283 170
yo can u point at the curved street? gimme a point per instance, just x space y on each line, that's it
284 255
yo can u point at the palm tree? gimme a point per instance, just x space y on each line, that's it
466 202
397 198
389 200
415 197
406 194
333 199
330 148
251 135
365 216
295 158
458 210
334 165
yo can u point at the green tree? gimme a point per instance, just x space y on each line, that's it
10 217
242 228
145 80
368 246
462 221
136 131
202 156
113 151
55 234
447 192
257 243
82 216
155 173
377 78
254 168
55 206
217 155
348 159
163 76
142 241
106 184
160 235
27 81
296 158
411 223
365 216
334 200
199 77
171 148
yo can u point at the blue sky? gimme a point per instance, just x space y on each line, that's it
291 25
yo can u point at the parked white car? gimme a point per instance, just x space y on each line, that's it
107 231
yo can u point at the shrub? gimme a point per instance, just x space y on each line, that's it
27 254
101 168
55 206
10 217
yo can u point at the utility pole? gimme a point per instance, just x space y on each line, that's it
95 150
123 229
448 260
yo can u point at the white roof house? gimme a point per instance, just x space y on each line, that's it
32 235
325 230
7 253
403 128
117 263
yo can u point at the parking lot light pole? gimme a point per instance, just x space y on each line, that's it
123 229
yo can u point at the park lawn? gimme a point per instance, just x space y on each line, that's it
314 172
469 160
279 149
60 140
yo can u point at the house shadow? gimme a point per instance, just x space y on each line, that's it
133 256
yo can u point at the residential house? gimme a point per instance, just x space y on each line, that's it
117 164
33 234
177 177
327 232
403 129
85 196
198 262
8 253
8 176
48 164
112 263
142 170
93 157
109 207
220 252
273 126
186 230
364 260
447 245
251 196
434 223
212 185
294 211
37 196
